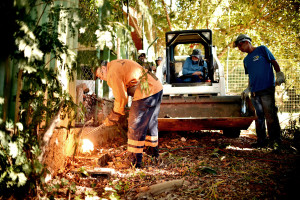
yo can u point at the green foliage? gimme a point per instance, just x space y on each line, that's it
272 23
101 25
19 164
57 184
42 94
88 11
111 193
144 82
83 172
292 130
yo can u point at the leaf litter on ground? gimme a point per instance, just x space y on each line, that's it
204 159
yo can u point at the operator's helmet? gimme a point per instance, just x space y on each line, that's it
197 53
242 38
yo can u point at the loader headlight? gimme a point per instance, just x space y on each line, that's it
170 37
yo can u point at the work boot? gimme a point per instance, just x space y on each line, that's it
138 165
153 152
135 160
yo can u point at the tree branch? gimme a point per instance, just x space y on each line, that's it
168 18
38 21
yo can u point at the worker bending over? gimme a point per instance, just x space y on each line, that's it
125 78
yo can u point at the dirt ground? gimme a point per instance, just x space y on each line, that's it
212 166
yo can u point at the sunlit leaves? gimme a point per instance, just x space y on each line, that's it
13 149
28 44
82 171
104 38
3 139
15 166
272 23
36 150
9 125
20 178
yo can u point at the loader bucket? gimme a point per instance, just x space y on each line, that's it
195 113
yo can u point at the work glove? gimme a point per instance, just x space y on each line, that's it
279 78
246 92
112 119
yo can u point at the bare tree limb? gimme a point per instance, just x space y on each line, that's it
168 18
159 188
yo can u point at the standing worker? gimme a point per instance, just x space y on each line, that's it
128 78
258 65
157 64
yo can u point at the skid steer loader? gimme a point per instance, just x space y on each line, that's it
193 106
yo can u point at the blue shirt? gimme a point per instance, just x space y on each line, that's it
190 66
258 65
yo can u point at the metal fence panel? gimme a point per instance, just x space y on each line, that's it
287 95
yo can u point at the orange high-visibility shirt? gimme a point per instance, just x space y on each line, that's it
122 74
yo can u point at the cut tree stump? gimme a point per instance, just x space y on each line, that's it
159 188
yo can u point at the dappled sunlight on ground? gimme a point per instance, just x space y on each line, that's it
215 167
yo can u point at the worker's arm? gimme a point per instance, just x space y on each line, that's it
121 99
112 118
275 65
121 96
279 74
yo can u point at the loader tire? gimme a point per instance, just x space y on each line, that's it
231 133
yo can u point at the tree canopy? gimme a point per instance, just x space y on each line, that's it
272 23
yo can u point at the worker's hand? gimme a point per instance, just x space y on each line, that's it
112 118
198 73
246 92
279 78
107 122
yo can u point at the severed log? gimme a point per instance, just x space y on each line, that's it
159 188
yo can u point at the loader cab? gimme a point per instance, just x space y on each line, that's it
179 45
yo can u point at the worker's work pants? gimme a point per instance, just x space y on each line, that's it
142 126
266 110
